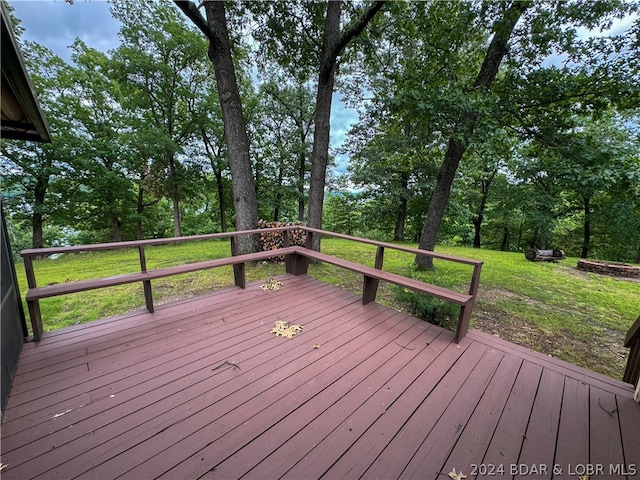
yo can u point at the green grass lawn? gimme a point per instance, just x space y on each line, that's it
550 307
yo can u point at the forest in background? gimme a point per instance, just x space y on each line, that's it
506 125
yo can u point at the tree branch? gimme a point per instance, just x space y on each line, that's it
356 27
191 11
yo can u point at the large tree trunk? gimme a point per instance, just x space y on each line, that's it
321 135
333 44
458 144
244 193
586 240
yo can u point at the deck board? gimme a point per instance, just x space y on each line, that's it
573 431
382 395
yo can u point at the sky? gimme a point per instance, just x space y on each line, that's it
55 24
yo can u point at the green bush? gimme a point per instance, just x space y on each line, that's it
433 310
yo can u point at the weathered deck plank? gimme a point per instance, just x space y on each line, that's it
383 395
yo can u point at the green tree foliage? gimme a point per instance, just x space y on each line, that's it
428 66
162 64
531 144
33 173
286 130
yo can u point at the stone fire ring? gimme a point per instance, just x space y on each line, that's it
609 268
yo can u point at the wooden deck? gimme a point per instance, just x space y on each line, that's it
362 392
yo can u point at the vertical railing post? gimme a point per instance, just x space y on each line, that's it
379 257
238 268
308 242
370 284
465 310
146 284
33 305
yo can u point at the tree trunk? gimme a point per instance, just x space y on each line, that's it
586 240
177 231
174 191
244 194
278 199
116 226
505 239
320 154
401 215
302 168
477 225
37 221
332 46
485 185
214 158
465 127
139 210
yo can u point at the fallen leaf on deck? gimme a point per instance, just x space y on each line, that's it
285 329
271 284
456 476
316 346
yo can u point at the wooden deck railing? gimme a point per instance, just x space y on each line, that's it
296 261
632 372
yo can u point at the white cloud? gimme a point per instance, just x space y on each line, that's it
56 24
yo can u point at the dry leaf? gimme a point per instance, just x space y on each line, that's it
456 476
316 346
285 329
271 284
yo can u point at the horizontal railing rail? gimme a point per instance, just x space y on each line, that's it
296 260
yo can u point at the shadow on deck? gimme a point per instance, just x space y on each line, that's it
363 391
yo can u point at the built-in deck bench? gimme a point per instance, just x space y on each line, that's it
237 261
372 277
296 259
93 284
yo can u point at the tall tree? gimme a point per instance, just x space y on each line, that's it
100 122
215 29
458 143
333 43
307 39
162 63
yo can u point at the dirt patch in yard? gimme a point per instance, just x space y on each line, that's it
602 353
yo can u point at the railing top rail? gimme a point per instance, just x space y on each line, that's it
416 251
33 252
